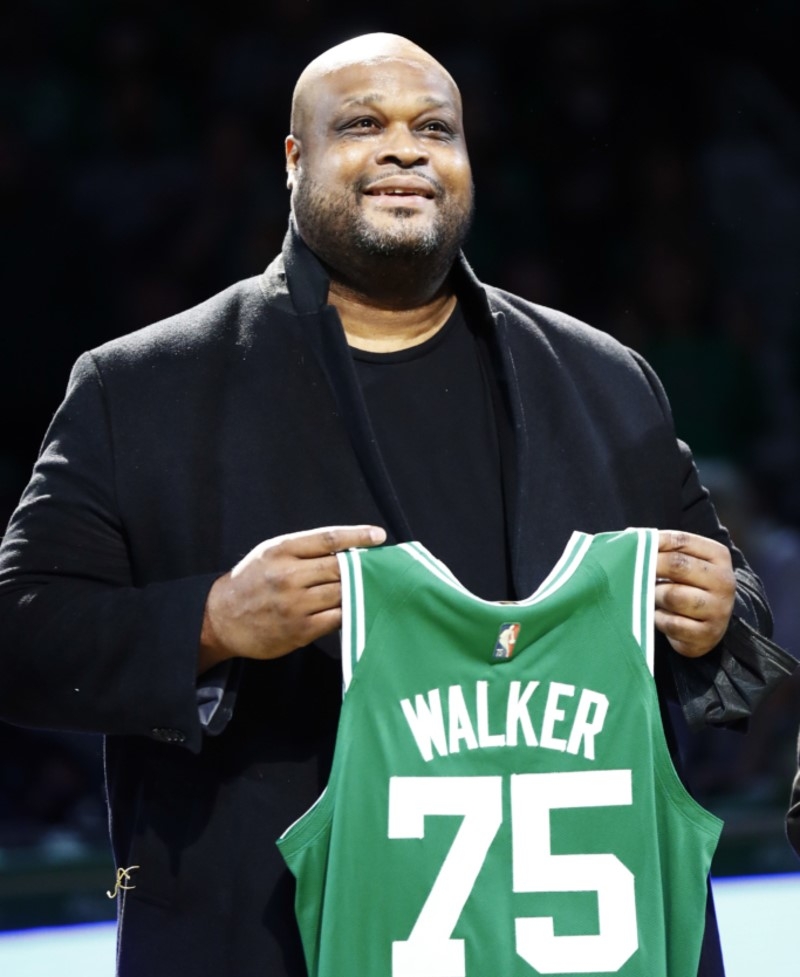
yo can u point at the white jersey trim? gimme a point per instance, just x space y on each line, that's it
567 564
345 631
352 632
649 598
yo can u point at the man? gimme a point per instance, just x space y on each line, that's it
366 384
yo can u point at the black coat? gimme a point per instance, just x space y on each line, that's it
180 447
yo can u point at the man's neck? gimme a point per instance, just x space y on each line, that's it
380 328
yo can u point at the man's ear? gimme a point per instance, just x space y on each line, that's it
292 159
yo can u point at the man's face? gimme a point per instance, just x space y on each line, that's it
381 166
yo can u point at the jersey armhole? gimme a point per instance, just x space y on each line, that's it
644 594
352 629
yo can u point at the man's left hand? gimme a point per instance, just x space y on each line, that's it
695 590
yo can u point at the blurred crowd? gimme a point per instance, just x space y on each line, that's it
636 165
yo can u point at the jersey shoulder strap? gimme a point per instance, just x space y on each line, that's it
391 571
628 561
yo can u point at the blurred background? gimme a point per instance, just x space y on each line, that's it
637 165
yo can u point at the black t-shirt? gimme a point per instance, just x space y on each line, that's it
433 409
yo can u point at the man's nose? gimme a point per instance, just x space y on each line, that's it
400 146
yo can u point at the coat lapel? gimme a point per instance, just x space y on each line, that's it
307 283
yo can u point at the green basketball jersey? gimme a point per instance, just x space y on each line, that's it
502 802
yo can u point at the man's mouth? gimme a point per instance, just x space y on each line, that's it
401 187
395 193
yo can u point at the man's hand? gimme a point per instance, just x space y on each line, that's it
695 589
284 594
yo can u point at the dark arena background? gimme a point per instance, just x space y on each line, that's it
637 165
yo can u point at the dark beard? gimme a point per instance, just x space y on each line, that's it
369 240
400 264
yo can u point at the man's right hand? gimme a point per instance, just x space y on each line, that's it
283 595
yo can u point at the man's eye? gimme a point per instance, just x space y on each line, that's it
437 126
363 124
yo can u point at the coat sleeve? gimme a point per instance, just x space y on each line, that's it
724 687
793 816
82 646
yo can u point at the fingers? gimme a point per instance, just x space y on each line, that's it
297 561
305 629
284 594
701 568
693 636
676 541
695 591
688 635
314 600
270 565
329 539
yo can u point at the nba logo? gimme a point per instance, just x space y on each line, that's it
506 639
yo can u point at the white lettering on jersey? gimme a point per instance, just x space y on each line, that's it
553 715
427 723
585 728
517 714
460 723
485 738
467 721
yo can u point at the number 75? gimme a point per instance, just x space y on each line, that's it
430 950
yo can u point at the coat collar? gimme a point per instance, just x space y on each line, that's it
306 278
307 281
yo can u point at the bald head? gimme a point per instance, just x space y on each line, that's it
366 50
